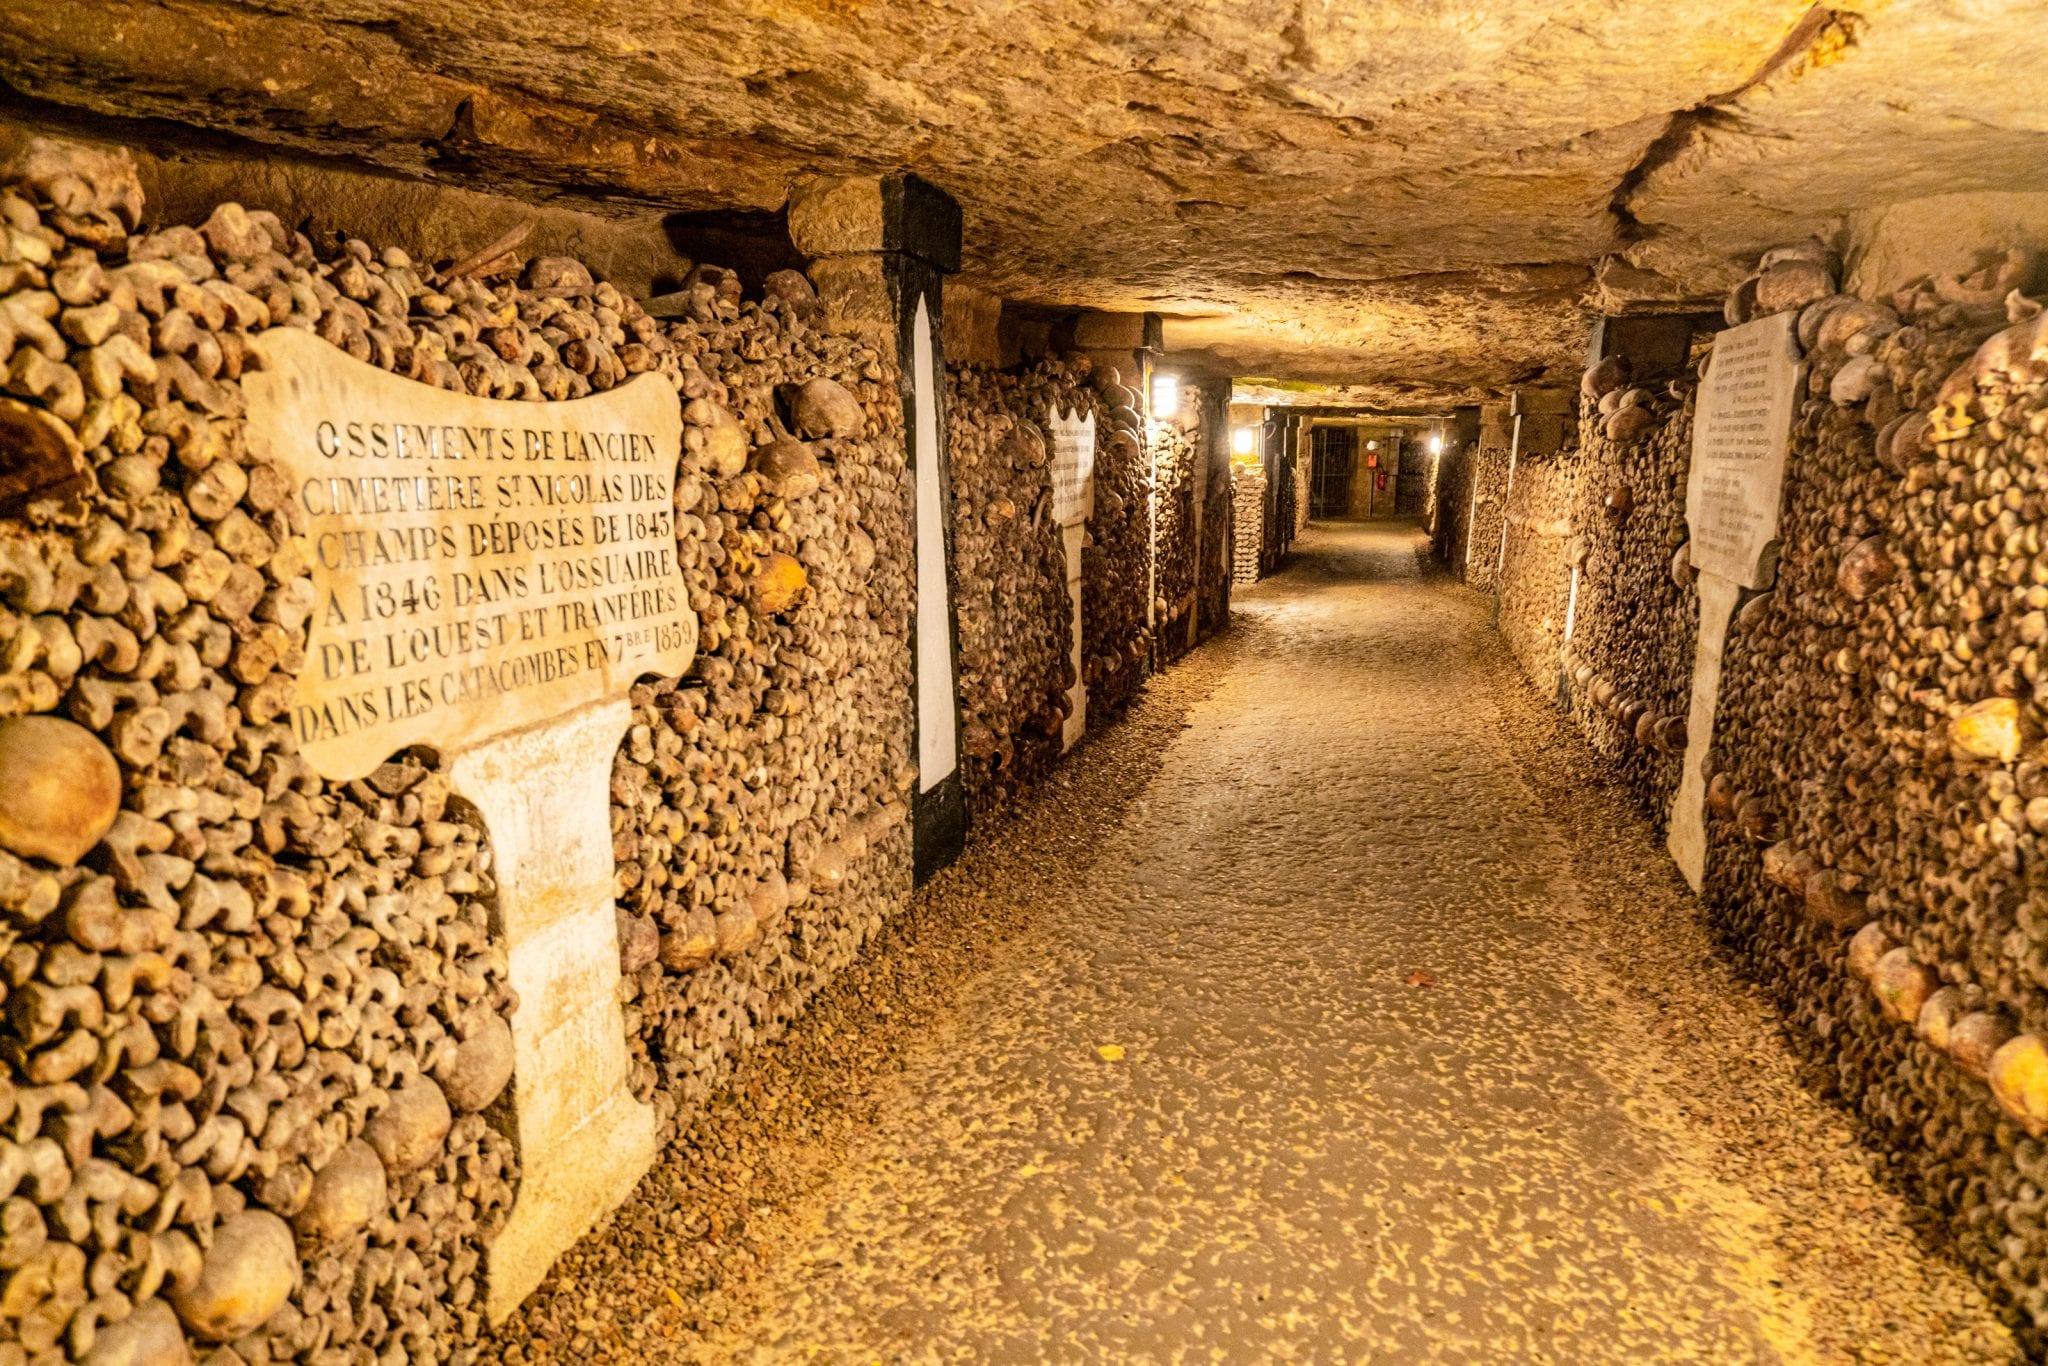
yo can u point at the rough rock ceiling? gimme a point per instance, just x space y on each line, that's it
1415 199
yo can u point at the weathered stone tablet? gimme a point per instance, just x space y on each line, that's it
1734 493
479 564
1741 430
489 579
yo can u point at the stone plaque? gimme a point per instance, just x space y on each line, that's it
489 579
1733 495
479 564
1741 427
1073 466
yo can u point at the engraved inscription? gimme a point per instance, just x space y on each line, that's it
1740 432
1073 465
478 564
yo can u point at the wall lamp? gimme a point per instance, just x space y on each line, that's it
1165 395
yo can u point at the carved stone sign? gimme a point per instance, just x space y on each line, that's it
1073 466
1740 430
489 578
1733 495
479 564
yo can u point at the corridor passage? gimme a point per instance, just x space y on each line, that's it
1344 1049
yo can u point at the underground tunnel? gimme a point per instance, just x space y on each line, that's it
1253 680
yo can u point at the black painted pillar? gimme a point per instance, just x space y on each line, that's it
883 248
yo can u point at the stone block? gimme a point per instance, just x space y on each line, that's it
837 216
972 325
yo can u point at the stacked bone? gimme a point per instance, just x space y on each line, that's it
1535 583
1877 762
759 802
1248 498
1175 452
1114 562
1630 658
1009 572
253 1016
1479 552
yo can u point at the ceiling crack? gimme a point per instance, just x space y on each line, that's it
1819 38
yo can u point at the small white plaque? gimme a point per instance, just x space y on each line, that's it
1073 466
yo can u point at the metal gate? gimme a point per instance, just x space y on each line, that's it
1335 452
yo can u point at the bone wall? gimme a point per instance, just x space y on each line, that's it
1009 563
759 805
257 1021
1536 601
1479 551
1877 789
256 1105
1175 452
238 994
1295 518
1876 855
1010 568
1213 574
1629 664
1116 631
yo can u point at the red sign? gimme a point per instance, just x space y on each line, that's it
1383 478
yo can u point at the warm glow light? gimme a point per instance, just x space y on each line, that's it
1241 441
1372 445
1436 444
1165 395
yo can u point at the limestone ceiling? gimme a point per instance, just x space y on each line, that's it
1413 199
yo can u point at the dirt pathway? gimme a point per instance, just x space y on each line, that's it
1351 1045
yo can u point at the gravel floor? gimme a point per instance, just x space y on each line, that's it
1325 1008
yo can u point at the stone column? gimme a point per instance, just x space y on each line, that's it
1546 420
882 248
1299 470
1278 438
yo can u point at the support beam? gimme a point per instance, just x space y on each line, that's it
883 248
